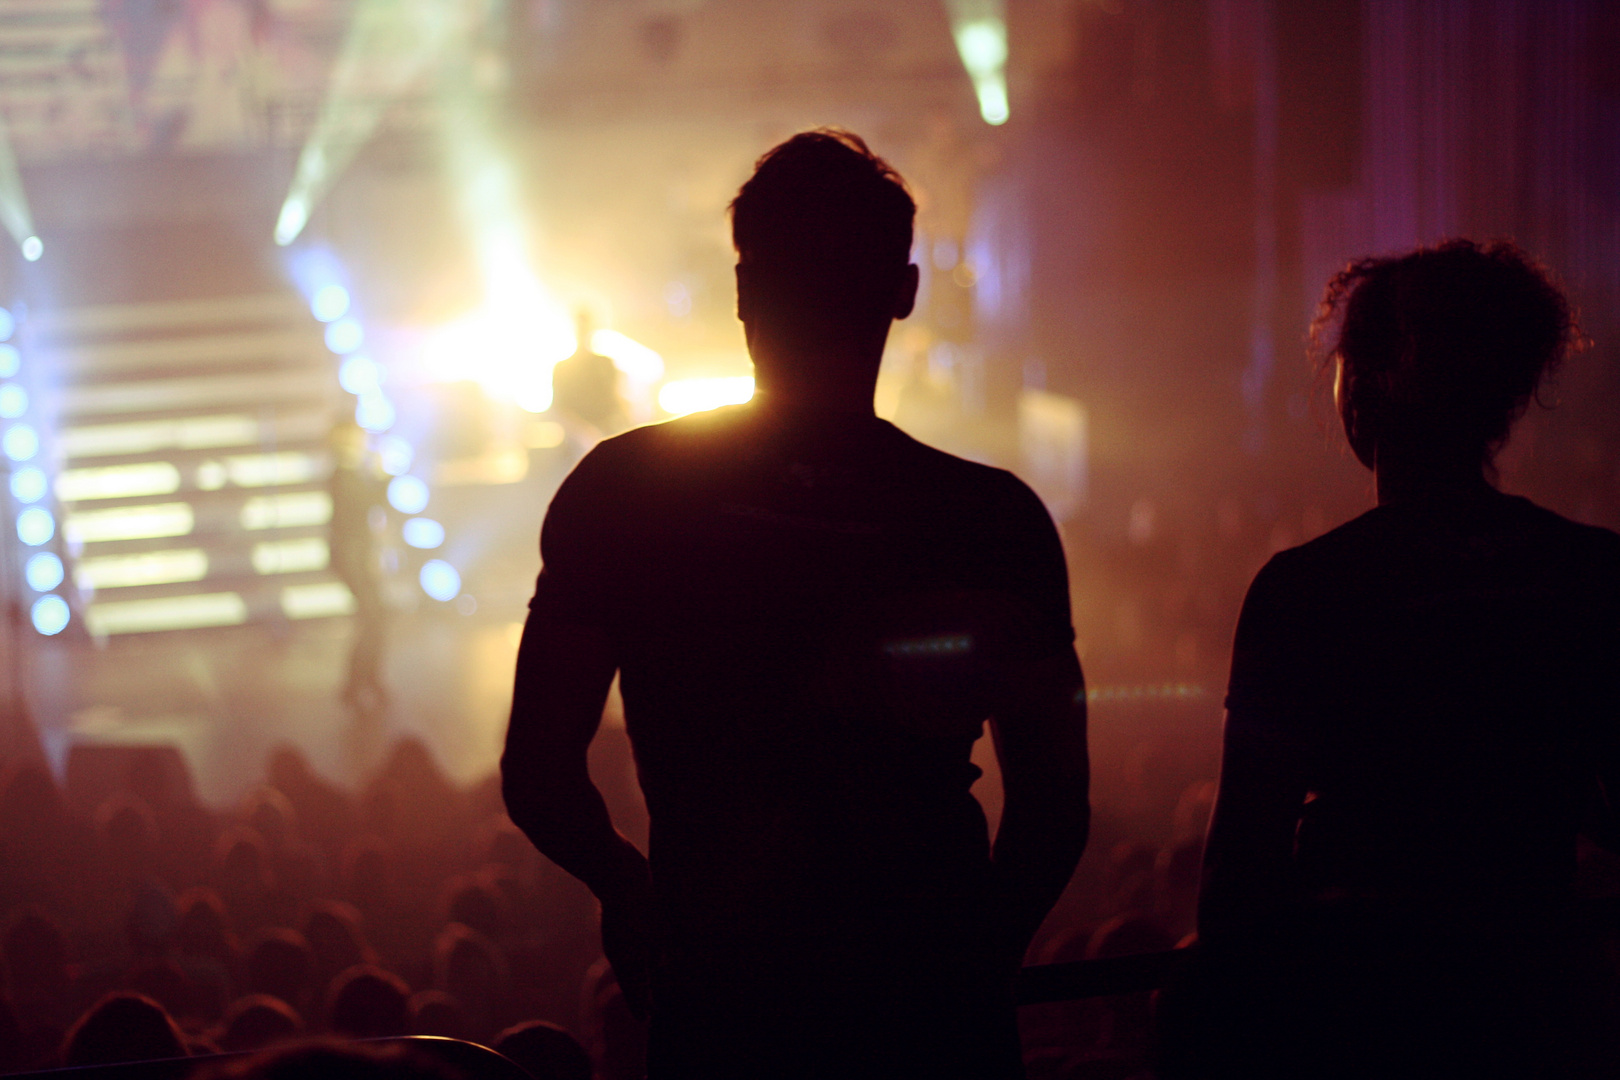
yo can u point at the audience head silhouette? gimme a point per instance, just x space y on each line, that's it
823 234
122 1027
1438 351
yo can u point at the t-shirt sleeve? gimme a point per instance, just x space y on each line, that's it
1040 573
578 542
1271 653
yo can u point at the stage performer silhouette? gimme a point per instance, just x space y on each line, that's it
812 616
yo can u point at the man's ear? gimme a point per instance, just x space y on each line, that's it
905 297
747 289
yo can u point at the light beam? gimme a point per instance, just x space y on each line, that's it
389 45
980 30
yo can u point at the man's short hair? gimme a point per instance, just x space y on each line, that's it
825 216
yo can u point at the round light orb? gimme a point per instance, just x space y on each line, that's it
33 248
50 615
8 324
21 442
395 455
423 533
345 336
10 361
330 303
43 571
28 485
35 526
359 375
407 494
440 580
13 401
375 413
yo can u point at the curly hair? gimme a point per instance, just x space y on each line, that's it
1443 346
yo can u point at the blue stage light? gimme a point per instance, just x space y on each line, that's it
13 401
424 533
375 413
51 615
359 375
21 442
43 571
345 336
35 526
330 303
440 580
396 455
28 485
10 361
407 494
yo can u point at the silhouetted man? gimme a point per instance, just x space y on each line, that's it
812 615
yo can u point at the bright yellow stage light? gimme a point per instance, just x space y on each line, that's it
129 523
288 511
166 613
118 481
291 556
146 568
318 600
683 396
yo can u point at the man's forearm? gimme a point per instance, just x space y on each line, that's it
565 818
1036 851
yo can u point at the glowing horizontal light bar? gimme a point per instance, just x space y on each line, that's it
291 556
317 601
146 568
166 613
193 433
287 511
118 481
685 396
268 470
148 315
639 363
212 391
130 523
193 349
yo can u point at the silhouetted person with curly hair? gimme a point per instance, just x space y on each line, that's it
812 616
1423 714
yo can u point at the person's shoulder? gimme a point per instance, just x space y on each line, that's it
959 475
1598 548
1342 542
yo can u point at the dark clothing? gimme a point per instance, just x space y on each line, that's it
1451 672
1436 682
812 621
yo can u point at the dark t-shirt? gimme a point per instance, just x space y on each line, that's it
812 618
1450 673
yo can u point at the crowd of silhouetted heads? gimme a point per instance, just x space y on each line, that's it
154 927
151 926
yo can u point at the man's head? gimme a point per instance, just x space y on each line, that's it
823 236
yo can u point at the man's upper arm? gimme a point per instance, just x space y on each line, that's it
566 659
1248 859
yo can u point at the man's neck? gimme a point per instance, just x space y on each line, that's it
812 396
